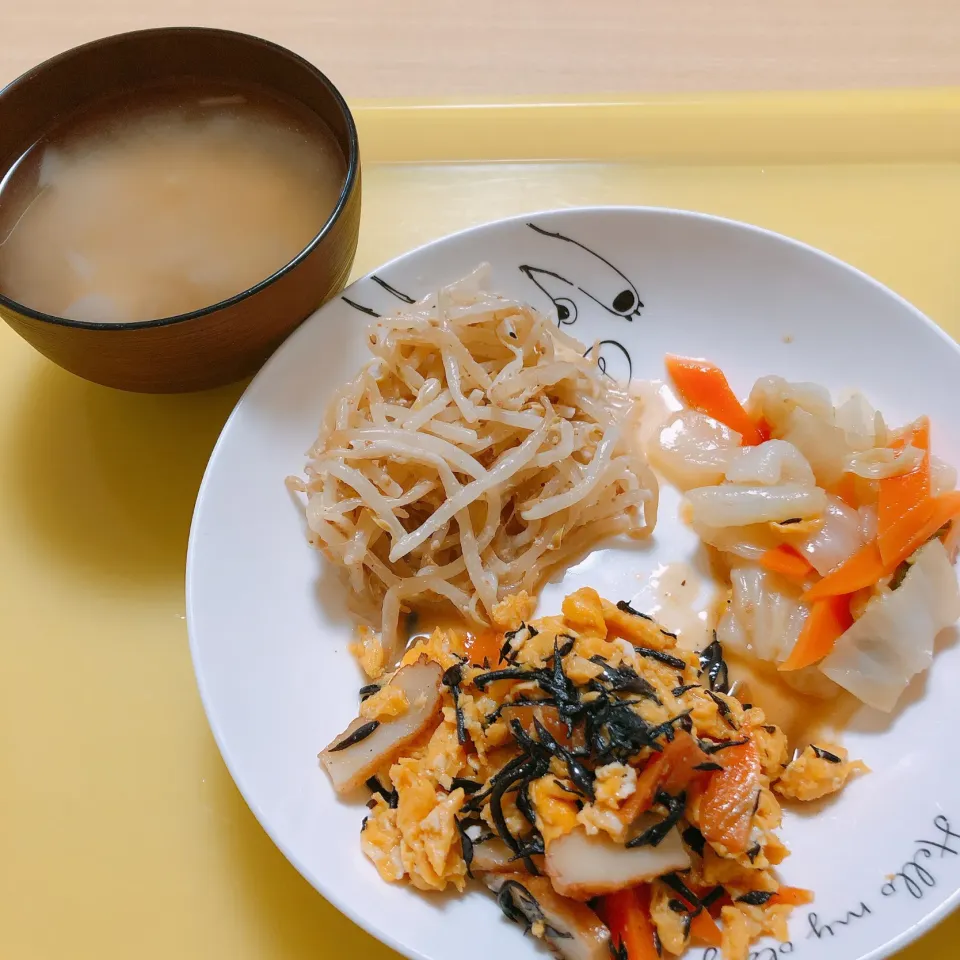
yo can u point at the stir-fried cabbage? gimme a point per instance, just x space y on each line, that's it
813 489
749 542
764 616
823 444
943 476
879 463
837 539
694 450
734 505
775 399
773 462
863 426
893 639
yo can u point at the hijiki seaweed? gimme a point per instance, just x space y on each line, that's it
596 725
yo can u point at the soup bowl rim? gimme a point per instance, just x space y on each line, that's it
350 179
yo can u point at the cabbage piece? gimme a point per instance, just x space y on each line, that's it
764 616
772 462
733 505
943 476
863 426
893 639
823 444
775 399
839 537
879 463
811 683
749 542
693 450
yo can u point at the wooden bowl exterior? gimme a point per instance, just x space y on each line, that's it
229 340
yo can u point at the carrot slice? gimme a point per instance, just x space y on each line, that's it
861 570
866 566
726 808
484 645
788 562
703 387
903 503
670 770
792 896
945 508
846 490
627 914
827 620
703 927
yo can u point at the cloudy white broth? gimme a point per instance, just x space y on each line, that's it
157 203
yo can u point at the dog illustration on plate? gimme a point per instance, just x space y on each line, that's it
613 359
574 277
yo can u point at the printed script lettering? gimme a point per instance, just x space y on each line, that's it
915 878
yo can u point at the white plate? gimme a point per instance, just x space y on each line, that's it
267 621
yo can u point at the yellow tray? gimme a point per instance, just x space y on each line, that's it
121 834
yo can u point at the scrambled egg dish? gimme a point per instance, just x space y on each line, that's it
602 782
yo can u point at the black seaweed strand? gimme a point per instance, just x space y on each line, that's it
714 666
659 655
361 733
707 747
625 607
755 898
469 787
695 840
391 796
452 678
724 708
673 881
654 835
712 897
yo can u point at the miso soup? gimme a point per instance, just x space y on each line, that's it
163 201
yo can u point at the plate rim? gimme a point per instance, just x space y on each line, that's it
329 892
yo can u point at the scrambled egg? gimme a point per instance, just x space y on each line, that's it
388 702
817 772
412 829
513 611
443 646
419 839
369 653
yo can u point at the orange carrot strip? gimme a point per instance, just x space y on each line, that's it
866 566
704 928
726 808
917 435
670 770
483 645
827 620
945 508
903 503
846 490
788 562
792 896
703 387
861 570
627 914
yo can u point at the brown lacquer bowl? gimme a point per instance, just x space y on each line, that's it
227 340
